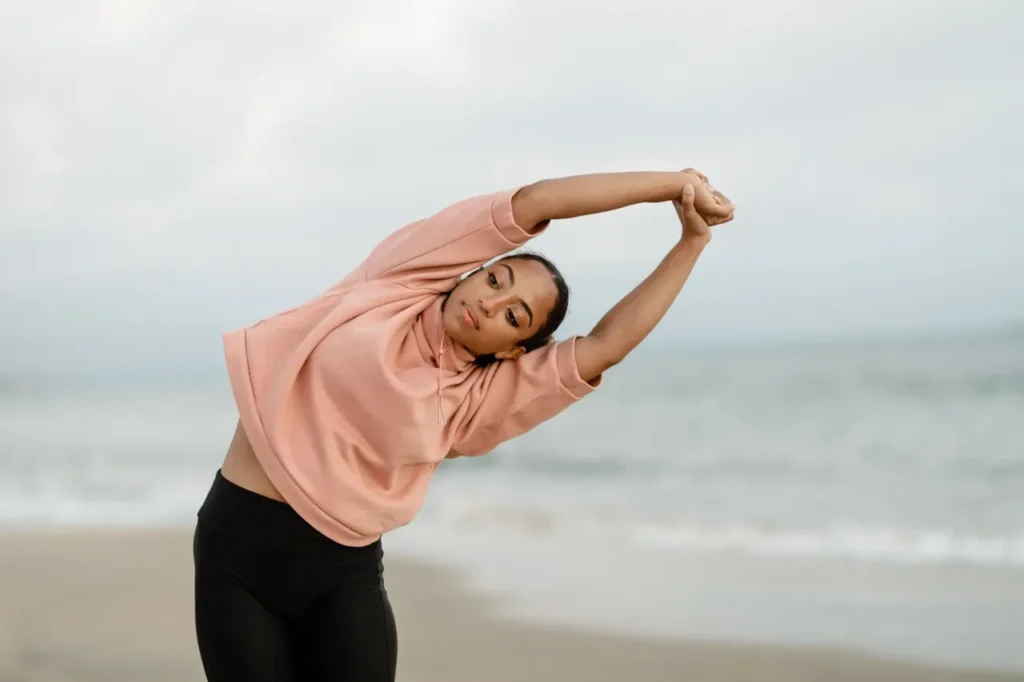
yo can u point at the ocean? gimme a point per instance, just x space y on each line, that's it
871 493
894 452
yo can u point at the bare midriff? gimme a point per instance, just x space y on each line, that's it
243 469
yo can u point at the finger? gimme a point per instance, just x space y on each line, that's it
689 214
688 195
717 210
712 202
721 199
691 218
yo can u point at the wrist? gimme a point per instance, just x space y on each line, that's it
694 241
669 186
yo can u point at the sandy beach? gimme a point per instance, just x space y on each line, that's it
118 606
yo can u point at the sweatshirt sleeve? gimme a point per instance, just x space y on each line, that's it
435 251
518 395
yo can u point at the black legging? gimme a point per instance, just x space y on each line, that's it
277 601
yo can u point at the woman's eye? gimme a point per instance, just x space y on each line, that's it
512 318
492 279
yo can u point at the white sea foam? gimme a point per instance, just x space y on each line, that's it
872 544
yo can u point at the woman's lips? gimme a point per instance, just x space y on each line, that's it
468 316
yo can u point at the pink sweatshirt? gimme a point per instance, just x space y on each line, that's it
352 400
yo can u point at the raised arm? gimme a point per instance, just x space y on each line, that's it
570 197
635 316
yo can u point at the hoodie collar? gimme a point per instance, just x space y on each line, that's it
441 349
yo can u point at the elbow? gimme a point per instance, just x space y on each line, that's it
610 355
611 361
604 364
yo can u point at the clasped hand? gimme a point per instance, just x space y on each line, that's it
701 206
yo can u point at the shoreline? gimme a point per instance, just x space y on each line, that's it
117 605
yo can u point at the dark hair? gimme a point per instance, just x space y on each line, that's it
555 317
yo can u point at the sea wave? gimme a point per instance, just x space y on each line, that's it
169 505
848 542
175 505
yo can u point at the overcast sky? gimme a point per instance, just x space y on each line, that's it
171 170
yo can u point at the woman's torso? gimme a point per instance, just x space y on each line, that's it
384 363
346 411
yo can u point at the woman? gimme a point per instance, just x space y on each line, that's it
349 403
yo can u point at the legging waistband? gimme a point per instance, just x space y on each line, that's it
245 514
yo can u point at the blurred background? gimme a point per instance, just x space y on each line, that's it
840 387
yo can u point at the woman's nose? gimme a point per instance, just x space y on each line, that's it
491 304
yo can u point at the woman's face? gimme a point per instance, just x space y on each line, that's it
499 307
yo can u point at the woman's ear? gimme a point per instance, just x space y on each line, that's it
510 354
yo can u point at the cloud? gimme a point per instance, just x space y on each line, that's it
225 157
